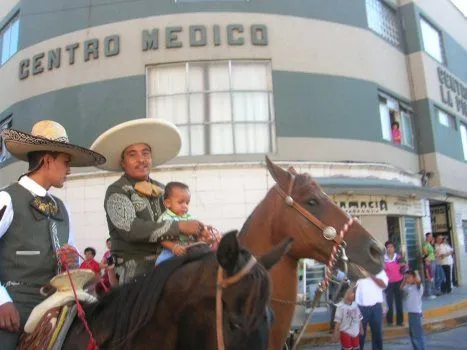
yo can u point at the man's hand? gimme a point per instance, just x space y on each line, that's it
68 254
378 281
190 227
179 250
9 317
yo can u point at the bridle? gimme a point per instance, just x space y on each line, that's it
223 283
330 233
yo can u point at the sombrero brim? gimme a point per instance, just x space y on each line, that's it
162 136
80 278
19 144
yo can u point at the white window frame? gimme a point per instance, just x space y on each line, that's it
429 47
391 110
11 28
4 124
446 119
463 131
208 123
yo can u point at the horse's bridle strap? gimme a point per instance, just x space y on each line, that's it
310 217
224 283
239 275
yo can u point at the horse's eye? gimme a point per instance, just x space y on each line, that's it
313 202
234 326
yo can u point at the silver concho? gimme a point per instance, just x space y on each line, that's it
289 201
329 233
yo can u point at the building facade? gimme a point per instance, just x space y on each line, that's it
314 84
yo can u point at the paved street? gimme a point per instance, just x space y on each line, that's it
454 339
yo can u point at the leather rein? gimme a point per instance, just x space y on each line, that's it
222 283
337 254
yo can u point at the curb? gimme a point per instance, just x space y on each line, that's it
435 320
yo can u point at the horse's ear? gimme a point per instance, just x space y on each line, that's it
292 170
278 174
228 250
272 257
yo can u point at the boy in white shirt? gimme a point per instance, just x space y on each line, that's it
348 321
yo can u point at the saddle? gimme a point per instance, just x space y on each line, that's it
49 321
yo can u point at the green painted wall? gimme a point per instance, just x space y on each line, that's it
42 20
312 105
85 111
455 54
431 135
306 105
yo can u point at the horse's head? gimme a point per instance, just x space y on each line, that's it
246 315
303 211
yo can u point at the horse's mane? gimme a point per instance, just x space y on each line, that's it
127 309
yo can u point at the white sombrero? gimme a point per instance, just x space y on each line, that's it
48 135
162 136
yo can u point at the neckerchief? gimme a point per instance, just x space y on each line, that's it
148 189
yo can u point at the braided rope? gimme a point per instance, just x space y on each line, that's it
92 345
335 255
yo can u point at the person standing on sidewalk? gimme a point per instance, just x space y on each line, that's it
393 267
429 262
413 292
443 253
369 299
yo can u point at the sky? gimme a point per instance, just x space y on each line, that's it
461 5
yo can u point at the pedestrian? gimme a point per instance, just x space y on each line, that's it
443 252
394 266
348 321
413 292
429 262
369 298
90 263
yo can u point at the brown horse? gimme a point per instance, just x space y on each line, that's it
174 307
274 218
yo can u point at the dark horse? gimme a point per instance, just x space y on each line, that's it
174 307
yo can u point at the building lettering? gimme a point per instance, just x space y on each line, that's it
453 92
172 37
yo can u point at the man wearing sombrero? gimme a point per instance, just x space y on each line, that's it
34 225
134 202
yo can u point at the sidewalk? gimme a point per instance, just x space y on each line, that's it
444 312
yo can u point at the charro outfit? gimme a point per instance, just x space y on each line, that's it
133 207
133 227
33 226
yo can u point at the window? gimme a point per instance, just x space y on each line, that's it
9 39
464 139
432 43
220 107
4 154
446 119
383 20
396 121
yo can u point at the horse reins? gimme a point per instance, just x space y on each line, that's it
337 254
221 284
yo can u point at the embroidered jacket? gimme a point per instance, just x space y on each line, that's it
132 221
